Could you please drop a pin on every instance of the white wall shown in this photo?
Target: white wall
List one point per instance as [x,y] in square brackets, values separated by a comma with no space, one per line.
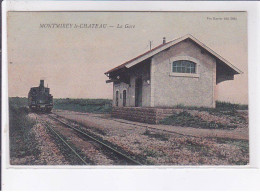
[168,90]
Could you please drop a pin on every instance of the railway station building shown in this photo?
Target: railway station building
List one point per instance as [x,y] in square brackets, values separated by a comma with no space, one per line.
[179,72]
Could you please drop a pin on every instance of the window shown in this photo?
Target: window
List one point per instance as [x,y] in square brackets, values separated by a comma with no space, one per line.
[124,98]
[183,66]
[116,98]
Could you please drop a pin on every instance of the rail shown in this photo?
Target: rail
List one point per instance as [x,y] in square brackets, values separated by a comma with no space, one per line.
[98,141]
[64,141]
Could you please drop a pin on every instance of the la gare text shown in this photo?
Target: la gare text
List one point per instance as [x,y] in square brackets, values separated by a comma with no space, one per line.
[89,26]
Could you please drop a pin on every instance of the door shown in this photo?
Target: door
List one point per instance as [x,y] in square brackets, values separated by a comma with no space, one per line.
[124,98]
[116,98]
[138,92]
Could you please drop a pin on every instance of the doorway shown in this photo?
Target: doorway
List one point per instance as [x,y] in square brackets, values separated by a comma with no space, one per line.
[124,98]
[116,98]
[138,92]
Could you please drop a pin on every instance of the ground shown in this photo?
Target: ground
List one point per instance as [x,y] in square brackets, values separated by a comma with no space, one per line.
[32,144]
[169,145]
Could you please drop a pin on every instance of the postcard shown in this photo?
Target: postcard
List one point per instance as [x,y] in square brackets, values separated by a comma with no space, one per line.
[128,88]
[129,96]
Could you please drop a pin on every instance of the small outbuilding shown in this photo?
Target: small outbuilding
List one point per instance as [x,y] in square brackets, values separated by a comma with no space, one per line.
[180,72]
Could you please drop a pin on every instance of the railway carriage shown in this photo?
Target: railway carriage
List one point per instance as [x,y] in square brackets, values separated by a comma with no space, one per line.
[40,99]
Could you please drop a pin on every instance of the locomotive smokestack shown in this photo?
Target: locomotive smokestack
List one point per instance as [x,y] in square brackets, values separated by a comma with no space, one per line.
[41,83]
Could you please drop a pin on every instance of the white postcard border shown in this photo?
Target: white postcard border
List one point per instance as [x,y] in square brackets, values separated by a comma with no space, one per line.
[177,178]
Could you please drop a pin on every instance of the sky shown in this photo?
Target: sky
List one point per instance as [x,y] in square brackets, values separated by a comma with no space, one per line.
[72,50]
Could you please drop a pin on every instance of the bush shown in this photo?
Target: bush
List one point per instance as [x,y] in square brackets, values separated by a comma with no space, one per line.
[185,119]
[84,105]
[230,106]
[22,140]
[220,106]
[18,102]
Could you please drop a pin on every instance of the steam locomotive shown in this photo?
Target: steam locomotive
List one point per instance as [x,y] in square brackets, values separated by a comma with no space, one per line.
[40,99]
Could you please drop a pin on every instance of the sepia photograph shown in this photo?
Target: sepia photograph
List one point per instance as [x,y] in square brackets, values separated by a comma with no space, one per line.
[128,88]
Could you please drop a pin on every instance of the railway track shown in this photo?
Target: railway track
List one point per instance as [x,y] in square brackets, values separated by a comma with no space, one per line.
[65,142]
[154,129]
[96,140]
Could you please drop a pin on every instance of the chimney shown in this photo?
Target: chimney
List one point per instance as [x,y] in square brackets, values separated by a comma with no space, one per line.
[41,83]
[164,40]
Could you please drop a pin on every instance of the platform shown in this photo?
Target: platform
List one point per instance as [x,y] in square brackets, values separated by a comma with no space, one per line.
[143,114]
